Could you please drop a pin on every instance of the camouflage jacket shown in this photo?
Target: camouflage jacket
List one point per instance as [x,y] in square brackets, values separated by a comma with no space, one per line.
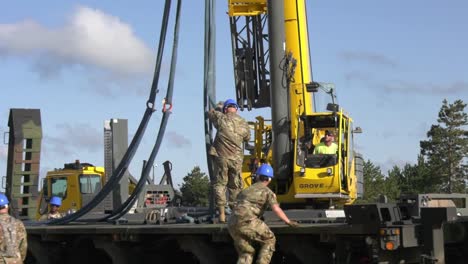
[232,130]
[51,216]
[13,239]
[253,201]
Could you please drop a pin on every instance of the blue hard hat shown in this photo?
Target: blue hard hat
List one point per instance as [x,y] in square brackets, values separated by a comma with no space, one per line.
[265,170]
[55,200]
[230,102]
[3,199]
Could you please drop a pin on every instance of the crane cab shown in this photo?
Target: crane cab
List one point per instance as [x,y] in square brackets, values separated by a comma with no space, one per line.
[318,180]
[76,183]
[330,177]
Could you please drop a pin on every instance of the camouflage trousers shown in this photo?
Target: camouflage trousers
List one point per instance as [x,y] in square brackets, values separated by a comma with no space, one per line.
[246,235]
[10,260]
[228,176]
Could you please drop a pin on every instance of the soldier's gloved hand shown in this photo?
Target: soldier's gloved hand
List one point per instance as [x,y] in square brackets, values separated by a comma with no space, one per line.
[293,223]
[219,106]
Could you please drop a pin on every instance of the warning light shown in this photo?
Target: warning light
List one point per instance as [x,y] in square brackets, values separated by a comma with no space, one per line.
[389,245]
[382,232]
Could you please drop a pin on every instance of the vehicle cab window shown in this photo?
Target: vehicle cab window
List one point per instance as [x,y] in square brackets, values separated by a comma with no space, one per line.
[90,183]
[59,187]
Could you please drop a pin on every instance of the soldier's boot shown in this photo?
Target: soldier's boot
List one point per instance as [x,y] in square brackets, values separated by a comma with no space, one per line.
[265,253]
[222,215]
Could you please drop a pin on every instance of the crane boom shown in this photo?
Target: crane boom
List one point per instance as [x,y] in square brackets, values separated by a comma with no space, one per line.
[272,69]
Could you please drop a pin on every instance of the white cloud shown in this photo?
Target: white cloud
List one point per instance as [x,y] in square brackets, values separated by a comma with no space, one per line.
[73,139]
[386,166]
[387,134]
[177,140]
[368,57]
[90,38]
[358,76]
[405,87]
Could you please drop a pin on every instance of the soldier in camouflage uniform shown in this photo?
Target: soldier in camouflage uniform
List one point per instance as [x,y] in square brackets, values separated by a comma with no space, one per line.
[13,242]
[55,203]
[228,152]
[246,227]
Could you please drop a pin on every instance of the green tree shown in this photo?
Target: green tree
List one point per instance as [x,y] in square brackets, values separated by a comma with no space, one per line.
[392,187]
[413,178]
[421,179]
[373,182]
[195,188]
[447,146]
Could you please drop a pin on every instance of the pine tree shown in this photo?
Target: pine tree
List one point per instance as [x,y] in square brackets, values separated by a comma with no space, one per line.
[414,178]
[195,188]
[447,147]
[394,185]
[373,182]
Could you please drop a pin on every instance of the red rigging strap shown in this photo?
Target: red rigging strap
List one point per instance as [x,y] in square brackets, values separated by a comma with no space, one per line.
[166,106]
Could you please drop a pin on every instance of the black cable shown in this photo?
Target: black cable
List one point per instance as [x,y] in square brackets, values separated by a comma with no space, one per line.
[209,92]
[125,207]
[162,41]
[128,156]
[116,175]
[175,43]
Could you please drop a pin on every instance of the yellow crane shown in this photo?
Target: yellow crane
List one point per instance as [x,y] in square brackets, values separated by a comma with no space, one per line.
[272,69]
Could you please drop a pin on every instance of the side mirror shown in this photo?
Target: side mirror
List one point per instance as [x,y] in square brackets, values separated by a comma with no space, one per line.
[333,107]
[357,130]
[312,87]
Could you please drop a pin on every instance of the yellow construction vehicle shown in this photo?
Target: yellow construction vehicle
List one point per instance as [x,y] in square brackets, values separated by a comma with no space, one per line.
[275,33]
[76,183]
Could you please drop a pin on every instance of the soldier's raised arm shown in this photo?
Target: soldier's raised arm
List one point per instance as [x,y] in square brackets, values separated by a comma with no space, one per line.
[246,135]
[214,116]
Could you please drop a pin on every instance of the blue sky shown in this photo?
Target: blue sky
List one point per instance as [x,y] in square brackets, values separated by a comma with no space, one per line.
[82,62]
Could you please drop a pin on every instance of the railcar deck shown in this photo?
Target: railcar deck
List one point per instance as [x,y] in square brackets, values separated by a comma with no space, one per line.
[187,243]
